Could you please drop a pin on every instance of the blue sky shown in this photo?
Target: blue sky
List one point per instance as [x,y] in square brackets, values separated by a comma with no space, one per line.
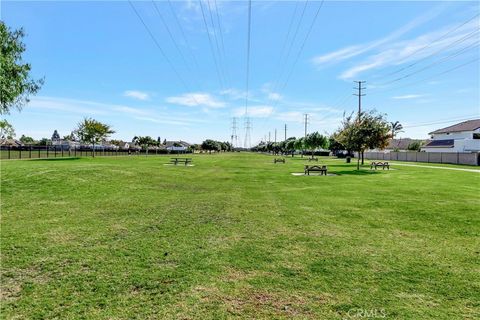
[419,60]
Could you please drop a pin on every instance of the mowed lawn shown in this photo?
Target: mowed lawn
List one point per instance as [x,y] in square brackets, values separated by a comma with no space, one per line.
[236,236]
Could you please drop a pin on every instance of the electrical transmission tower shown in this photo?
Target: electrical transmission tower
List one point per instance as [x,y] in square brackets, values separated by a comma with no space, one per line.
[359,95]
[234,136]
[248,128]
[305,122]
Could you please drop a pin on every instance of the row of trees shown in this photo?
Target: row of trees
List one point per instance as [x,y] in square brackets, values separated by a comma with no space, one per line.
[311,142]
[213,145]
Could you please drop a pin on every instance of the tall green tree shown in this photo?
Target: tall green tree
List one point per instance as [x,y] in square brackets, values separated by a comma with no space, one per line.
[300,144]
[6,130]
[370,132]
[27,140]
[93,132]
[315,140]
[16,85]
[144,142]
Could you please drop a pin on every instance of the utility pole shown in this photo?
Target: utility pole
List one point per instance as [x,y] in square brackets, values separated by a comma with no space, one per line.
[275,135]
[285,132]
[359,95]
[234,136]
[305,123]
[269,137]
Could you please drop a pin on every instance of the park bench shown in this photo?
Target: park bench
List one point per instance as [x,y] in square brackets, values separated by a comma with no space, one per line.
[278,160]
[379,164]
[313,159]
[185,161]
[321,169]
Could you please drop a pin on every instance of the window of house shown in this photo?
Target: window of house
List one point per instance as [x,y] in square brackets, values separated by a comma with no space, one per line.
[476,136]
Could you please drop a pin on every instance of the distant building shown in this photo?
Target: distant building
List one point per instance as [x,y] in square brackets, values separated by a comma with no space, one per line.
[11,143]
[176,145]
[402,144]
[461,137]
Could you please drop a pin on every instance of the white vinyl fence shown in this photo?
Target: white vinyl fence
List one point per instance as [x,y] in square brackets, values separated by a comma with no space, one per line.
[432,157]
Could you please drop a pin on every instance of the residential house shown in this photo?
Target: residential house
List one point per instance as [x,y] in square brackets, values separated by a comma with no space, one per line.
[461,137]
[178,146]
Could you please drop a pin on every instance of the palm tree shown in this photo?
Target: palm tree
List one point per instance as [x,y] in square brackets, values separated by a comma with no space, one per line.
[396,128]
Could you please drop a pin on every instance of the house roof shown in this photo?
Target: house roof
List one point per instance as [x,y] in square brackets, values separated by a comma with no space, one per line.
[180,142]
[447,143]
[402,144]
[469,125]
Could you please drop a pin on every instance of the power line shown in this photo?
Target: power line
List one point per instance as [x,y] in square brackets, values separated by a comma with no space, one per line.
[451,44]
[221,37]
[432,42]
[442,60]
[211,46]
[435,75]
[441,122]
[161,50]
[183,34]
[172,37]
[220,59]
[247,80]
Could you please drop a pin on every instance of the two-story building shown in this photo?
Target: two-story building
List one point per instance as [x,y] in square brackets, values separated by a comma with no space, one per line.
[461,137]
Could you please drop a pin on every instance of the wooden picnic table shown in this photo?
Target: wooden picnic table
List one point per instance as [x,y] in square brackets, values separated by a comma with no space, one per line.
[177,160]
[278,160]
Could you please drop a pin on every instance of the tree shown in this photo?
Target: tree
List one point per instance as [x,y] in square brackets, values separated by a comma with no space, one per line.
[211,145]
[290,145]
[16,85]
[415,145]
[300,144]
[315,140]
[396,128]
[55,136]
[43,142]
[92,131]
[144,142]
[334,145]
[26,140]
[6,130]
[370,132]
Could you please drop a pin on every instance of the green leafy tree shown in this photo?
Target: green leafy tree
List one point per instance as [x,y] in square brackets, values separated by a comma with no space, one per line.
[6,130]
[27,140]
[144,142]
[415,145]
[92,131]
[315,140]
[334,145]
[370,132]
[16,85]
[211,145]
[290,145]
[300,144]
[43,142]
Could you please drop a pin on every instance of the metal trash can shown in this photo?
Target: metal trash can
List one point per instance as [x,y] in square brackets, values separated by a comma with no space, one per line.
[348,159]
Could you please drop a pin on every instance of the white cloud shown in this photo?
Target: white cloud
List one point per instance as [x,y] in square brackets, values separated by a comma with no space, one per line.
[255,111]
[406,51]
[233,93]
[355,50]
[408,96]
[139,95]
[196,99]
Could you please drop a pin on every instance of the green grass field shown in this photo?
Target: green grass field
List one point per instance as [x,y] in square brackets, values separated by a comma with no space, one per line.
[236,236]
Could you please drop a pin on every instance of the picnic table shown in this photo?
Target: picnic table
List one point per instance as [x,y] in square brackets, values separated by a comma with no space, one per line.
[376,164]
[313,159]
[321,169]
[176,161]
[278,160]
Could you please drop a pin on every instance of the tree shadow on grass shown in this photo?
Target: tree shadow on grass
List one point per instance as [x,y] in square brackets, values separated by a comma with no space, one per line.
[355,172]
[56,159]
